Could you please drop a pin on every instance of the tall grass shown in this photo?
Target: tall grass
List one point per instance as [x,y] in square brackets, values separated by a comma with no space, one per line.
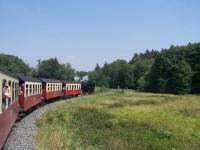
[123,120]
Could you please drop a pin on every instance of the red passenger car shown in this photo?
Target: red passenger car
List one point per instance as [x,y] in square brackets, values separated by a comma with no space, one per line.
[8,104]
[30,92]
[51,88]
[71,89]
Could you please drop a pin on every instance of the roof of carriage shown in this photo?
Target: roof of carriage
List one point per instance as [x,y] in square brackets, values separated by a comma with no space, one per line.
[71,82]
[5,72]
[28,78]
[46,80]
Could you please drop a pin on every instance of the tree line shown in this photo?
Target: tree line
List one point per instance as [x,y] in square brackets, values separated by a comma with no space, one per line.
[174,70]
[49,68]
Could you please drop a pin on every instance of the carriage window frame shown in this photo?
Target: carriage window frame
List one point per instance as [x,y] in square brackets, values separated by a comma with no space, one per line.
[26,89]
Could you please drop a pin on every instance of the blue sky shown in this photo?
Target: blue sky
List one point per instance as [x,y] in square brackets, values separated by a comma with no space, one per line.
[86,32]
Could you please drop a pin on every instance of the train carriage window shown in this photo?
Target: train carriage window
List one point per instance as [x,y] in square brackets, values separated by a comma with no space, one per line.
[40,88]
[16,91]
[33,89]
[13,92]
[37,88]
[48,86]
[10,99]
[4,99]
[30,88]
[26,94]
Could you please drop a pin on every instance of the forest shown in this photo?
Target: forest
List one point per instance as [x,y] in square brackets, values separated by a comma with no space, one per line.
[174,70]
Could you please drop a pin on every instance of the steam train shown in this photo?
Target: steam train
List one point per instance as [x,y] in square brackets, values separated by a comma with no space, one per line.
[22,93]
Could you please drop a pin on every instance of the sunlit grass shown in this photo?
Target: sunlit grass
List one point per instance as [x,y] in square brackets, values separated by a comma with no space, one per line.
[122,120]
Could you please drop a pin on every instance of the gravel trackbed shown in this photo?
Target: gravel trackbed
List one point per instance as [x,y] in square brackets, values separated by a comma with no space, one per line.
[22,136]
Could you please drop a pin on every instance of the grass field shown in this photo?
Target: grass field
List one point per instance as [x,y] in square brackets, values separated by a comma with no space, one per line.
[123,120]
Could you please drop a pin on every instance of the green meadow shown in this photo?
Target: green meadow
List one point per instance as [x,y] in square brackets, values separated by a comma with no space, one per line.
[122,120]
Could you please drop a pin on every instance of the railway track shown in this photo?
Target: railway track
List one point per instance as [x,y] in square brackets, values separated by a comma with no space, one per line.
[22,136]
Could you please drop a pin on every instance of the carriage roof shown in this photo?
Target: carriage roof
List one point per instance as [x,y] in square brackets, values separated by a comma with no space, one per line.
[45,80]
[28,78]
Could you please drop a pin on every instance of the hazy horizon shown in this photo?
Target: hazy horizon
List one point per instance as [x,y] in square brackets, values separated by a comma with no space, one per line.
[84,33]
